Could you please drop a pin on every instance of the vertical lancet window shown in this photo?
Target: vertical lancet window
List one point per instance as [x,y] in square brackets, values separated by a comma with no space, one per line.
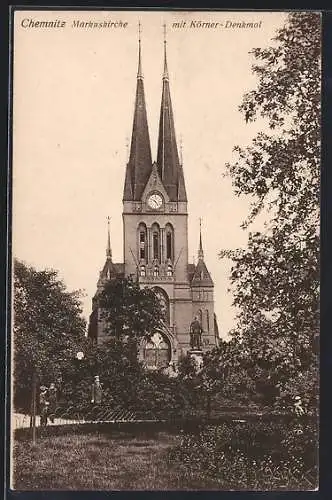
[156,242]
[169,242]
[207,321]
[142,242]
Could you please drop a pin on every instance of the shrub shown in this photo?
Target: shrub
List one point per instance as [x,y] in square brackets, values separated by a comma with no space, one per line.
[252,455]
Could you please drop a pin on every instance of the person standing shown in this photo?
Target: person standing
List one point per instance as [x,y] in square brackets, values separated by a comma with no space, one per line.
[52,397]
[96,391]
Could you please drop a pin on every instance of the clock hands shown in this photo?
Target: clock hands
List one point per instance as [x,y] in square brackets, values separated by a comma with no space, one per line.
[155,201]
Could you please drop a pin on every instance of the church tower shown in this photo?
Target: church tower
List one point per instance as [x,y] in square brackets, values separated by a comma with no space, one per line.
[155,236]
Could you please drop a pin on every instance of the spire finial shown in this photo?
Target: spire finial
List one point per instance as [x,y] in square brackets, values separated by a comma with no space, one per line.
[165,74]
[139,71]
[200,248]
[108,248]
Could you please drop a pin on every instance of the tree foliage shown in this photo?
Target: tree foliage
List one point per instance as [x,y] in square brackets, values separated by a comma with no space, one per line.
[48,328]
[128,310]
[129,314]
[275,280]
[118,367]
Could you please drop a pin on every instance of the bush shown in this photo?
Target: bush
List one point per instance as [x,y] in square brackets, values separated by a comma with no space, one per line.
[255,455]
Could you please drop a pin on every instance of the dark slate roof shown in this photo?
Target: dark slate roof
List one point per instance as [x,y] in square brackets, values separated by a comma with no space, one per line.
[182,194]
[119,267]
[128,188]
[201,275]
[167,155]
[112,270]
[139,165]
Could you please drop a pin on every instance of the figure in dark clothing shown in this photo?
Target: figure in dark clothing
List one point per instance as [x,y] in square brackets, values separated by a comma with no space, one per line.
[52,397]
[195,334]
[96,391]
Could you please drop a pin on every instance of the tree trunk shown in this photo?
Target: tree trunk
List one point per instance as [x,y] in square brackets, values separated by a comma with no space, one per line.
[34,407]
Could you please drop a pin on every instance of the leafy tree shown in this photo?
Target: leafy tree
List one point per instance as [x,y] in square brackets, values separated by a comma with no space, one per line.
[129,313]
[119,369]
[48,328]
[223,380]
[160,395]
[275,280]
[128,310]
[188,375]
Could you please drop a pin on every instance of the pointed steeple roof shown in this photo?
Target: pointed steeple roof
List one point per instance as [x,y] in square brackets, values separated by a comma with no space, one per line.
[182,193]
[167,155]
[140,161]
[110,269]
[201,275]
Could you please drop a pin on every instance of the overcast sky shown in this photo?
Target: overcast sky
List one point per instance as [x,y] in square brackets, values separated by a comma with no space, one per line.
[74,93]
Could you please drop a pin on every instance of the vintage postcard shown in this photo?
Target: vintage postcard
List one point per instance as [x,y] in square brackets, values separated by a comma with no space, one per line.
[165,250]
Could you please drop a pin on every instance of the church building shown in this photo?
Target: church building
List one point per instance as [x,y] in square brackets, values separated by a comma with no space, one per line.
[155,240]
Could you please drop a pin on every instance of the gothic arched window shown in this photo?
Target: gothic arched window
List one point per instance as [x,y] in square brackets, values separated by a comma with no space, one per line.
[207,320]
[142,242]
[157,351]
[164,302]
[169,242]
[155,242]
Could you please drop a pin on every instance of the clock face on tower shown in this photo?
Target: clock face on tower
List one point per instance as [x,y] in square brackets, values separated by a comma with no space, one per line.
[155,201]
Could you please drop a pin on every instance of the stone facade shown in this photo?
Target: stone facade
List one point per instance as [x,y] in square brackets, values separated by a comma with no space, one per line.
[155,240]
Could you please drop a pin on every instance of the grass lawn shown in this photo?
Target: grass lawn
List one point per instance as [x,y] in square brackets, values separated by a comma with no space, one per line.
[237,455]
[96,462]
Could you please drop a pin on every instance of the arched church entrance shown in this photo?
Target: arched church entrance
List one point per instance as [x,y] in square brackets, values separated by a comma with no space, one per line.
[157,351]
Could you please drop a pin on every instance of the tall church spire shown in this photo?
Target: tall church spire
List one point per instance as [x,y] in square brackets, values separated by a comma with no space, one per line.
[140,162]
[168,162]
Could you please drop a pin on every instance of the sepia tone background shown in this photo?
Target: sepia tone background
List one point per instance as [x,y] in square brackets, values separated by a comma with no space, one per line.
[74,93]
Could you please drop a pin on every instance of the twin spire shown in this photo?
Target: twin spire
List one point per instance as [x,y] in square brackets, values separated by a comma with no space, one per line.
[139,165]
